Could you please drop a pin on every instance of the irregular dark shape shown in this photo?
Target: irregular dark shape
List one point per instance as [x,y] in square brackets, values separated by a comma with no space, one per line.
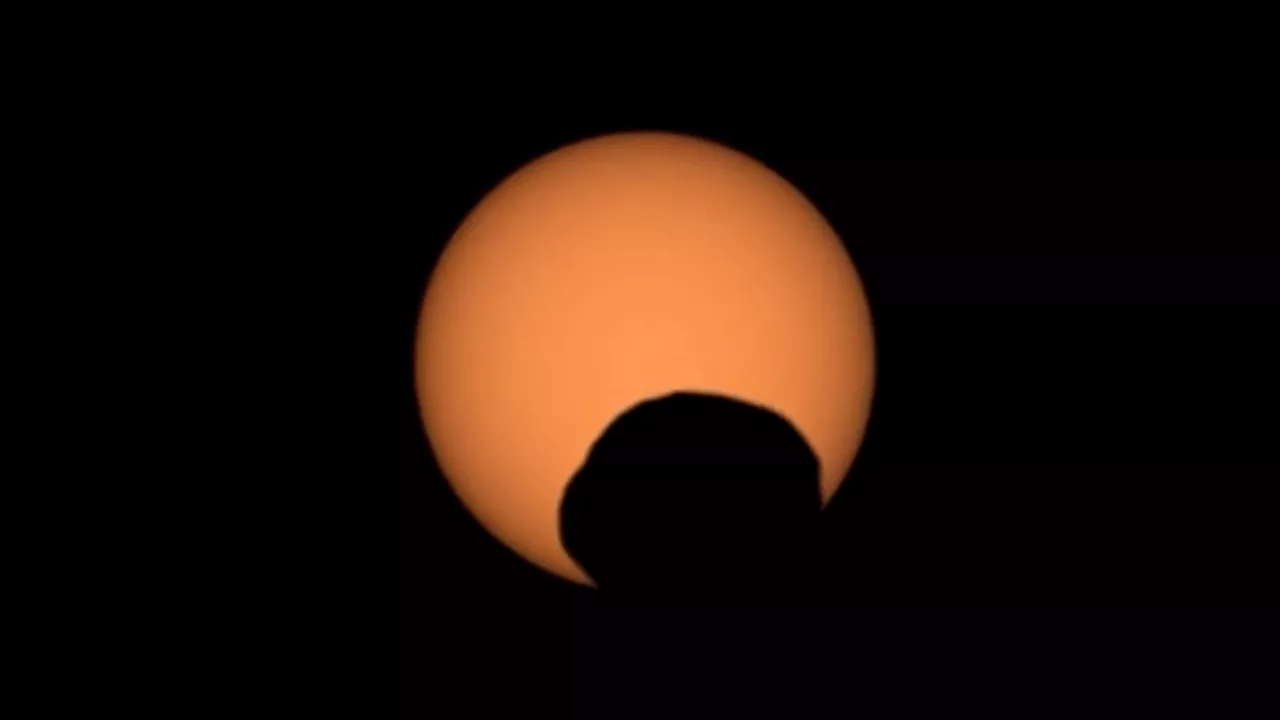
[694,498]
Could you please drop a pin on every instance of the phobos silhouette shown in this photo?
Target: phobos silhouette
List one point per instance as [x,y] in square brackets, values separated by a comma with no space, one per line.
[694,498]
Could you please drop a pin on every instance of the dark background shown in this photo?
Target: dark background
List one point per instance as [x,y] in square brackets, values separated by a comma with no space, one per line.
[1074,306]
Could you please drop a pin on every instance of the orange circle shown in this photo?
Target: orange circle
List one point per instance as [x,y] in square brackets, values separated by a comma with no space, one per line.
[619,269]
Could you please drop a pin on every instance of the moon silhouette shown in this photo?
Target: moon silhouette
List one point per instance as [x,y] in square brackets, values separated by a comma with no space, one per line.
[623,268]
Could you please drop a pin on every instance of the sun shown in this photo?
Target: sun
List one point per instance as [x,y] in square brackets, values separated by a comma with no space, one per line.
[622,268]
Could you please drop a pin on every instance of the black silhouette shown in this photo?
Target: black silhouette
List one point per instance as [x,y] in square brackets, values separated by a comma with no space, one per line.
[691,499]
